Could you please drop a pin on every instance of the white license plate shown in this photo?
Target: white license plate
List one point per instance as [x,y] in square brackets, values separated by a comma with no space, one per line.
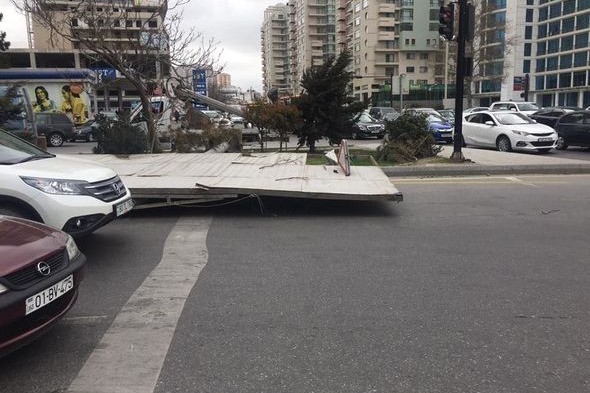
[48,295]
[545,139]
[123,207]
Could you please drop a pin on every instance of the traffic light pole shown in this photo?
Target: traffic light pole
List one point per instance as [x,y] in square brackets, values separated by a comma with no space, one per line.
[459,82]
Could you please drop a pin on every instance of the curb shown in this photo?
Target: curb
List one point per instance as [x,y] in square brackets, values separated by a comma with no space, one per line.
[475,169]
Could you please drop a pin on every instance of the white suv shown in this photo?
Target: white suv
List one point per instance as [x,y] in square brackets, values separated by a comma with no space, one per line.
[73,195]
[526,108]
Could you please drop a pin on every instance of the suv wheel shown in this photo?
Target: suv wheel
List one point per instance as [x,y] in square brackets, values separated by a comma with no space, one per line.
[55,139]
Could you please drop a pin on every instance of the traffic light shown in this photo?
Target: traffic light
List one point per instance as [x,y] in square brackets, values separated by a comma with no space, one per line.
[446,18]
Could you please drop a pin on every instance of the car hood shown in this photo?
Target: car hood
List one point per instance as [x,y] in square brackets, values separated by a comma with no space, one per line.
[61,167]
[369,123]
[532,128]
[529,112]
[23,241]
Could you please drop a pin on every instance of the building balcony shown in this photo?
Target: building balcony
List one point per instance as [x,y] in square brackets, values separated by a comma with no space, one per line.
[386,36]
[389,8]
[385,22]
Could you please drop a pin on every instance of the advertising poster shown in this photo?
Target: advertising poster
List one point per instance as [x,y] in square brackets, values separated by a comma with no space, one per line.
[69,98]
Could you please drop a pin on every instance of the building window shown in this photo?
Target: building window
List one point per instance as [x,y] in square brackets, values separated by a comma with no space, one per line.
[580,59]
[74,22]
[527,49]
[423,70]
[569,6]
[410,70]
[407,15]
[529,15]
[582,40]
[567,25]
[528,32]
[153,23]
[540,65]
[565,80]
[526,66]
[423,56]
[552,63]
[582,21]
[406,26]
[567,43]
[555,10]
[541,48]
[410,56]
[565,61]
[138,23]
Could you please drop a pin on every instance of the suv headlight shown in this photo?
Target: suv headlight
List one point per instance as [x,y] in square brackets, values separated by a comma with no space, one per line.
[3,289]
[521,133]
[56,186]
[72,248]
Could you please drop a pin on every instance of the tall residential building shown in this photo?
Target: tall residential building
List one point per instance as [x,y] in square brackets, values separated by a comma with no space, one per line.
[223,80]
[546,39]
[390,38]
[386,38]
[275,49]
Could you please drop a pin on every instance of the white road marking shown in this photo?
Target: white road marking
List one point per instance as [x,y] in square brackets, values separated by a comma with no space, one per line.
[520,181]
[130,355]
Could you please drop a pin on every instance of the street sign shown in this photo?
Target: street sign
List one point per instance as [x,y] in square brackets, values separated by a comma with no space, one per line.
[200,85]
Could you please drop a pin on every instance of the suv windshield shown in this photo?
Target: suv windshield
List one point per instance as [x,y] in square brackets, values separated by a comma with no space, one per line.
[528,106]
[366,118]
[14,150]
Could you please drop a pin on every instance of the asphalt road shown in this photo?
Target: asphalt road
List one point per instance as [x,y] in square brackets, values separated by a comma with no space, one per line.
[469,285]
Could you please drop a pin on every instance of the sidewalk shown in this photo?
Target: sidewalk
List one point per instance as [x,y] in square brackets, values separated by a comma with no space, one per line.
[492,162]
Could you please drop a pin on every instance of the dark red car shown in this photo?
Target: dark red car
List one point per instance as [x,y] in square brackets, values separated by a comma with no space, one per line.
[40,271]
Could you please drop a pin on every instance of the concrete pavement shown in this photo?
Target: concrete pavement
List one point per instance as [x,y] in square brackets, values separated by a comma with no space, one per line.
[489,162]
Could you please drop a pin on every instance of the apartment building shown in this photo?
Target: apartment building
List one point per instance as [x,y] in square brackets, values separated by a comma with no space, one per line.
[392,38]
[132,27]
[546,39]
[275,49]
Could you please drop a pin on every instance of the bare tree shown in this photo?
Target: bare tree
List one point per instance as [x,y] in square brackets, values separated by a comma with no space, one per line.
[144,41]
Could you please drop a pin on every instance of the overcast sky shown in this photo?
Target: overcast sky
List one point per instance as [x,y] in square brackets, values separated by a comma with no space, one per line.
[234,24]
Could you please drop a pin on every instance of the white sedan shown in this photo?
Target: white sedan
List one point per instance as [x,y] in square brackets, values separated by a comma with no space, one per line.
[507,131]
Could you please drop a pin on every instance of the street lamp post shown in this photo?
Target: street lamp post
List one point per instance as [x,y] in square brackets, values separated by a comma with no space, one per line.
[401,92]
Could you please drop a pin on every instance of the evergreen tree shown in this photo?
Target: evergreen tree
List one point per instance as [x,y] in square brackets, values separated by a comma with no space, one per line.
[4,45]
[327,106]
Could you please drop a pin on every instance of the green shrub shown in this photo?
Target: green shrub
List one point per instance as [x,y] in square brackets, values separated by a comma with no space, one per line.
[408,139]
[120,137]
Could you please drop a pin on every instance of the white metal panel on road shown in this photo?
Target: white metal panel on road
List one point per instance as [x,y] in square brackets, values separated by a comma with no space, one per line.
[278,174]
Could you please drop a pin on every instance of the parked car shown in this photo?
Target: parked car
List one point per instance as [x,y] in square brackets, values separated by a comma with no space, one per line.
[441,128]
[366,126]
[573,129]
[235,119]
[40,271]
[475,109]
[379,112]
[448,115]
[507,131]
[70,194]
[423,110]
[527,108]
[549,116]
[87,132]
[56,127]
[390,116]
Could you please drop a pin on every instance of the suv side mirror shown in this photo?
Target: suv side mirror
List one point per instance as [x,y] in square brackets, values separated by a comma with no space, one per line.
[489,123]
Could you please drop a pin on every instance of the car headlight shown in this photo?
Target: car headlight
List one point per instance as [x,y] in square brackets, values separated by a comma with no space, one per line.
[3,289]
[56,186]
[521,133]
[72,248]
